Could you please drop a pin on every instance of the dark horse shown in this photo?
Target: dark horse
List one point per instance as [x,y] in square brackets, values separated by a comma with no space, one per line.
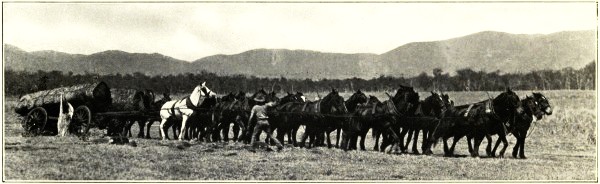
[352,103]
[534,109]
[477,120]
[154,107]
[405,100]
[202,124]
[280,121]
[231,109]
[322,116]
[425,117]
[374,114]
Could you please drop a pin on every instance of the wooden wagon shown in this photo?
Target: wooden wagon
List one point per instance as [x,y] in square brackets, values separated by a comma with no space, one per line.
[96,106]
[41,109]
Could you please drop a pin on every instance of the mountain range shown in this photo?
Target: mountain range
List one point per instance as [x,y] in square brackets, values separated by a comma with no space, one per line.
[489,51]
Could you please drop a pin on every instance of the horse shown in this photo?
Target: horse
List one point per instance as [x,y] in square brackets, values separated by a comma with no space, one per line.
[425,118]
[373,114]
[405,100]
[231,109]
[128,100]
[358,98]
[477,120]
[281,124]
[323,115]
[184,108]
[534,109]
[153,107]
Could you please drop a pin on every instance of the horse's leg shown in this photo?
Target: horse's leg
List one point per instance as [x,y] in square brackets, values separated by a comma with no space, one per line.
[376,135]
[363,136]
[328,133]
[454,141]
[141,125]
[236,132]
[446,149]
[409,138]
[289,135]
[312,139]
[493,153]
[148,125]
[353,141]
[426,145]
[281,135]
[344,143]
[241,129]
[338,133]
[416,138]
[522,145]
[488,148]
[476,143]
[469,140]
[303,138]
[294,133]
[162,126]
[184,127]
[502,137]
[384,141]
[225,129]
[403,148]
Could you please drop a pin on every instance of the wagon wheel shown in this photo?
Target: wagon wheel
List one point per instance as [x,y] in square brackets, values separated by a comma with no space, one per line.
[81,121]
[35,121]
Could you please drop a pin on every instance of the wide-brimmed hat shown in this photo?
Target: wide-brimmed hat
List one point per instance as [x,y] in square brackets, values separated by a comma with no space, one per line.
[259,99]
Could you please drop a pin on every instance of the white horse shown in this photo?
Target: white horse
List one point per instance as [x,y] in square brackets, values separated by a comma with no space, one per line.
[184,108]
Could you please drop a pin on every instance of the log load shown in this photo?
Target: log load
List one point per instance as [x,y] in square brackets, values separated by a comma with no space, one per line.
[127,100]
[95,95]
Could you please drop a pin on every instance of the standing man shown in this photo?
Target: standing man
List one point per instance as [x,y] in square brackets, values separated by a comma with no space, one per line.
[262,123]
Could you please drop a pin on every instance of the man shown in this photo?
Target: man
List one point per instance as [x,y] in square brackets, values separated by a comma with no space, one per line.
[262,123]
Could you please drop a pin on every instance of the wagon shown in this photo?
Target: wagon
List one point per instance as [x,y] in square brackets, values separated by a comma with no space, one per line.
[41,109]
[96,106]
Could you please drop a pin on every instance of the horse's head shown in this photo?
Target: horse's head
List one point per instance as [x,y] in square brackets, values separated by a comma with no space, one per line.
[333,103]
[202,92]
[373,100]
[290,97]
[532,108]
[405,98]
[272,97]
[229,97]
[149,97]
[357,98]
[240,96]
[301,96]
[436,103]
[507,102]
[543,103]
[166,97]
[449,104]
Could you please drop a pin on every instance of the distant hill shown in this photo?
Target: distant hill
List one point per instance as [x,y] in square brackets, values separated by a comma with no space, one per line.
[107,62]
[290,64]
[488,51]
[493,51]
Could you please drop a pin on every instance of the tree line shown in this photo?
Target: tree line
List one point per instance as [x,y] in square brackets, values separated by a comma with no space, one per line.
[21,82]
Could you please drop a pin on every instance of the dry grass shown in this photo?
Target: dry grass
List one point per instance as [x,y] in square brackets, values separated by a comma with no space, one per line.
[562,147]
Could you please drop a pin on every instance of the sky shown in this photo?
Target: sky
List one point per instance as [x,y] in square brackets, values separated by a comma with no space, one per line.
[190,31]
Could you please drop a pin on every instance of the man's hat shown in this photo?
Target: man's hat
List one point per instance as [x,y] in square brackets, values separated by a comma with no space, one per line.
[259,98]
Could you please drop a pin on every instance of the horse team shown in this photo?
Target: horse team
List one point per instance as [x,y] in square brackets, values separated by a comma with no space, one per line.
[397,121]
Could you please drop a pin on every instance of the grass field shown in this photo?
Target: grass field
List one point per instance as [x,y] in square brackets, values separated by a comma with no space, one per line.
[561,147]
